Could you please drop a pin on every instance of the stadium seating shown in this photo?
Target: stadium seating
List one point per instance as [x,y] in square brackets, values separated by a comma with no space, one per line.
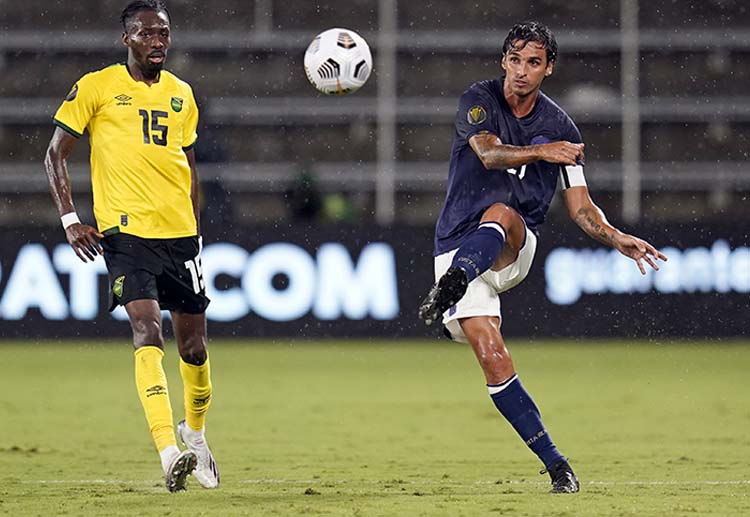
[262,121]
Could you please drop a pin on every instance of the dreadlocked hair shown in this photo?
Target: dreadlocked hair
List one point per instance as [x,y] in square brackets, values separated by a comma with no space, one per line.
[137,6]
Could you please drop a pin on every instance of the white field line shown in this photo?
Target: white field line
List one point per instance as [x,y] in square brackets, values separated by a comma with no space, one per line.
[441,482]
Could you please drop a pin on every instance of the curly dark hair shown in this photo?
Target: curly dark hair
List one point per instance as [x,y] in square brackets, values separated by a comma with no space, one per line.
[531,31]
[142,5]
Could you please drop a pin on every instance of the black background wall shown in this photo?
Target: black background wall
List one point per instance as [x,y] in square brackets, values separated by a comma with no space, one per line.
[365,281]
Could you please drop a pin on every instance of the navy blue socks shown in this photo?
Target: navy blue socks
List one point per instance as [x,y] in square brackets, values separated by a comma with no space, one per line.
[517,406]
[479,251]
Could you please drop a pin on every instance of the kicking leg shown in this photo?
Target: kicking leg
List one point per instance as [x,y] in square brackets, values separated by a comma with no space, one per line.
[494,244]
[195,369]
[513,401]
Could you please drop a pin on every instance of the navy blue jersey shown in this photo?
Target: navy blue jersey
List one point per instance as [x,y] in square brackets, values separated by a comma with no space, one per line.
[472,188]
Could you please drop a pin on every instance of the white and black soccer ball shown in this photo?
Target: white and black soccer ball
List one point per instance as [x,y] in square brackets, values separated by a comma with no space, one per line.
[338,61]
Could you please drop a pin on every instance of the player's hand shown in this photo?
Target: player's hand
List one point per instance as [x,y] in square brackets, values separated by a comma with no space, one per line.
[565,153]
[639,250]
[84,240]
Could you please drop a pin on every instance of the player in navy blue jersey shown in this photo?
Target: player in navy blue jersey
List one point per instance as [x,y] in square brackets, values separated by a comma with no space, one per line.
[511,145]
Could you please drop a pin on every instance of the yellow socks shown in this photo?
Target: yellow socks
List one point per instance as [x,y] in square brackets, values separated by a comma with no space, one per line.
[152,390]
[196,381]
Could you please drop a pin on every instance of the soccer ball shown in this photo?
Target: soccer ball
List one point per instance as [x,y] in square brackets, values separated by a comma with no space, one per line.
[338,61]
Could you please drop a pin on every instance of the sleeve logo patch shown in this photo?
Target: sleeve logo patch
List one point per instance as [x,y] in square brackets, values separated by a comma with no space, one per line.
[476,115]
[73,93]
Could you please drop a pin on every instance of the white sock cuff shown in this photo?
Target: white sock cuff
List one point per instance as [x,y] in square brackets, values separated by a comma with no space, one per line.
[167,455]
[494,226]
[193,432]
[497,388]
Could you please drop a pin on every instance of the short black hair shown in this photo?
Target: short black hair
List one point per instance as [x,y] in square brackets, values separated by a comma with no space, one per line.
[137,6]
[532,31]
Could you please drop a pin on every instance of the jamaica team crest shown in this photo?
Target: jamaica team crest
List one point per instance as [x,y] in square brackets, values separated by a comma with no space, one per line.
[176,104]
[117,286]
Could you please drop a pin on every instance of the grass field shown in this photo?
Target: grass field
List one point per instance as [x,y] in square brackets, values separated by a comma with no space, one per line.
[384,428]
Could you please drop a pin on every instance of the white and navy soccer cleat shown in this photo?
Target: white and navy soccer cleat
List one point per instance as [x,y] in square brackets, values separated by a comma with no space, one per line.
[206,471]
[178,471]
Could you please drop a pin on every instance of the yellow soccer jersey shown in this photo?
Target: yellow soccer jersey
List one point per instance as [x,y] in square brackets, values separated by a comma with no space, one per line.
[138,133]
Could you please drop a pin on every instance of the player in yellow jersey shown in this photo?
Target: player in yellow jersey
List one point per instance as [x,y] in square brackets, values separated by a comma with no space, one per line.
[142,124]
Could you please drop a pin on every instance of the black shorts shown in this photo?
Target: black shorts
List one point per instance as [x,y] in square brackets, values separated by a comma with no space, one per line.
[166,270]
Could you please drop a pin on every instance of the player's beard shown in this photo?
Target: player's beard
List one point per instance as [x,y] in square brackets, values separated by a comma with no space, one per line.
[151,70]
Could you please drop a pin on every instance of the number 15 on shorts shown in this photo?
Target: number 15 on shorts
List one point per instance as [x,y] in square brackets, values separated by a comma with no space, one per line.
[196,273]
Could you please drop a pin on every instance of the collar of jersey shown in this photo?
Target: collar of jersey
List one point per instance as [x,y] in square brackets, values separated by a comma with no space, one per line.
[141,83]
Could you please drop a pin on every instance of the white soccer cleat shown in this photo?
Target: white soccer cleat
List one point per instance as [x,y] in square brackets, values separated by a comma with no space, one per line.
[176,474]
[206,471]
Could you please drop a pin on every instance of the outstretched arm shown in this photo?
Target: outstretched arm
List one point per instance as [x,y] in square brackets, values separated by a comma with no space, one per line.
[494,154]
[591,219]
[83,238]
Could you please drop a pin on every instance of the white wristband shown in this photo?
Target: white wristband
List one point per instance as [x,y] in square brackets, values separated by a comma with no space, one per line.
[69,219]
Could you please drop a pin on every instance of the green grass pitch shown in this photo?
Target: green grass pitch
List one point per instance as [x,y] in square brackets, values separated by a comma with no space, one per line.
[383,428]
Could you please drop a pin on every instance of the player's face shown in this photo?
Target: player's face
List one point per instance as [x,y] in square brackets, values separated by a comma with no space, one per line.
[525,67]
[148,39]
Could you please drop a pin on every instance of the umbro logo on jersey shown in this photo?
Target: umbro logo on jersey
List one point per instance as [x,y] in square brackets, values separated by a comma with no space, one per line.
[123,100]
